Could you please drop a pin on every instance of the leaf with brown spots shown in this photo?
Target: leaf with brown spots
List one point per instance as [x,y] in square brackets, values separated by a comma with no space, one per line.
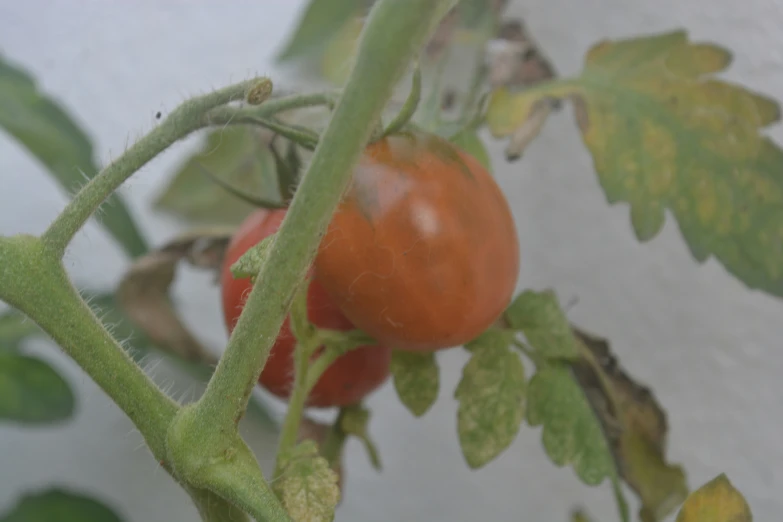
[143,291]
[666,134]
[635,426]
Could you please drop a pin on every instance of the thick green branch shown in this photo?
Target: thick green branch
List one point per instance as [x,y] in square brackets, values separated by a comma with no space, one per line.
[33,280]
[188,117]
[395,31]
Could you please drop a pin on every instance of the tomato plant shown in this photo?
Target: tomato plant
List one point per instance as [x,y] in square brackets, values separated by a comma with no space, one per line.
[422,253]
[350,378]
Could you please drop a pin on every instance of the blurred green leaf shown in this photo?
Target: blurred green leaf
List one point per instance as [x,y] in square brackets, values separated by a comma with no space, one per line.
[339,54]
[319,22]
[32,392]
[416,379]
[469,141]
[716,501]
[491,397]
[58,505]
[308,486]
[238,156]
[539,316]
[15,328]
[52,136]
[665,134]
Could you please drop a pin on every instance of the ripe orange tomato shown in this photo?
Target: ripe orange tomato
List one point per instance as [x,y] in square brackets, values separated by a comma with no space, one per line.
[422,253]
[350,378]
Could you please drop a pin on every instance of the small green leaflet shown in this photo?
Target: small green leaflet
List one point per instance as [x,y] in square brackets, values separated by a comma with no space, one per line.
[716,501]
[31,392]
[59,505]
[666,134]
[308,487]
[491,398]
[321,20]
[572,434]
[539,316]
[51,135]
[237,156]
[416,379]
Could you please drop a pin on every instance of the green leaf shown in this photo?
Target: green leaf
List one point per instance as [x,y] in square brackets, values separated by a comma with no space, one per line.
[491,398]
[417,380]
[716,501]
[665,134]
[58,505]
[308,486]
[469,141]
[354,421]
[249,264]
[340,53]
[31,392]
[539,316]
[321,20]
[15,327]
[571,432]
[236,155]
[51,135]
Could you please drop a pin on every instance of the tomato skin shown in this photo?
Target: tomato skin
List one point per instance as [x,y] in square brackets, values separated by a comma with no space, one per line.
[350,378]
[422,253]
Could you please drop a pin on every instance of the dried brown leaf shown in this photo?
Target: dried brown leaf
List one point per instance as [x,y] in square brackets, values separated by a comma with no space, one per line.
[515,59]
[635,425]
[143,291]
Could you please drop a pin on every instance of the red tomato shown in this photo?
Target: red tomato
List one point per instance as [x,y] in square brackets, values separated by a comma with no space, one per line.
[350,378]
[422,253]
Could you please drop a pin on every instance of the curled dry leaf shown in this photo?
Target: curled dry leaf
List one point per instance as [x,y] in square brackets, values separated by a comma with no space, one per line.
[143,291]
[635,425]
[515,60]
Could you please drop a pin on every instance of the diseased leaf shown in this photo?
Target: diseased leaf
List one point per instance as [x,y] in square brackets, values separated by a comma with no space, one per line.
[515,60]
[539,316]
[32,392]
[59,505]
[635,426]
[239,156]
[307,487]
[318,432]
[469,141]
[665,134]
[491,398]
[571,432]
[15,327]
[716,501]
[319,22]
[416,378]
[143,291]
[47,131]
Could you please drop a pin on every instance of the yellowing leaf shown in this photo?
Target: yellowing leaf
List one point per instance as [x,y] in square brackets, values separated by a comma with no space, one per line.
[664,134]
[491,398]
[308,486]
[715,501]
[238,156]
[417,380]
[539,317]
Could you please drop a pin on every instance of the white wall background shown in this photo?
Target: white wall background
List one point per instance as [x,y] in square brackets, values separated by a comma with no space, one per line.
[709,347]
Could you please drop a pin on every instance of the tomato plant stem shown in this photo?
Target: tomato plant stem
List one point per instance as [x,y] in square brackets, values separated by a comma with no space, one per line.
[395,31]
[188,117]
[34,281]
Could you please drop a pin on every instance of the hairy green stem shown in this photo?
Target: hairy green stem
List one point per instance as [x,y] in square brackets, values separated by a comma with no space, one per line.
[214,508]
[188,117]
[394,32]
[34,281]
[225,115]
[296,402]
